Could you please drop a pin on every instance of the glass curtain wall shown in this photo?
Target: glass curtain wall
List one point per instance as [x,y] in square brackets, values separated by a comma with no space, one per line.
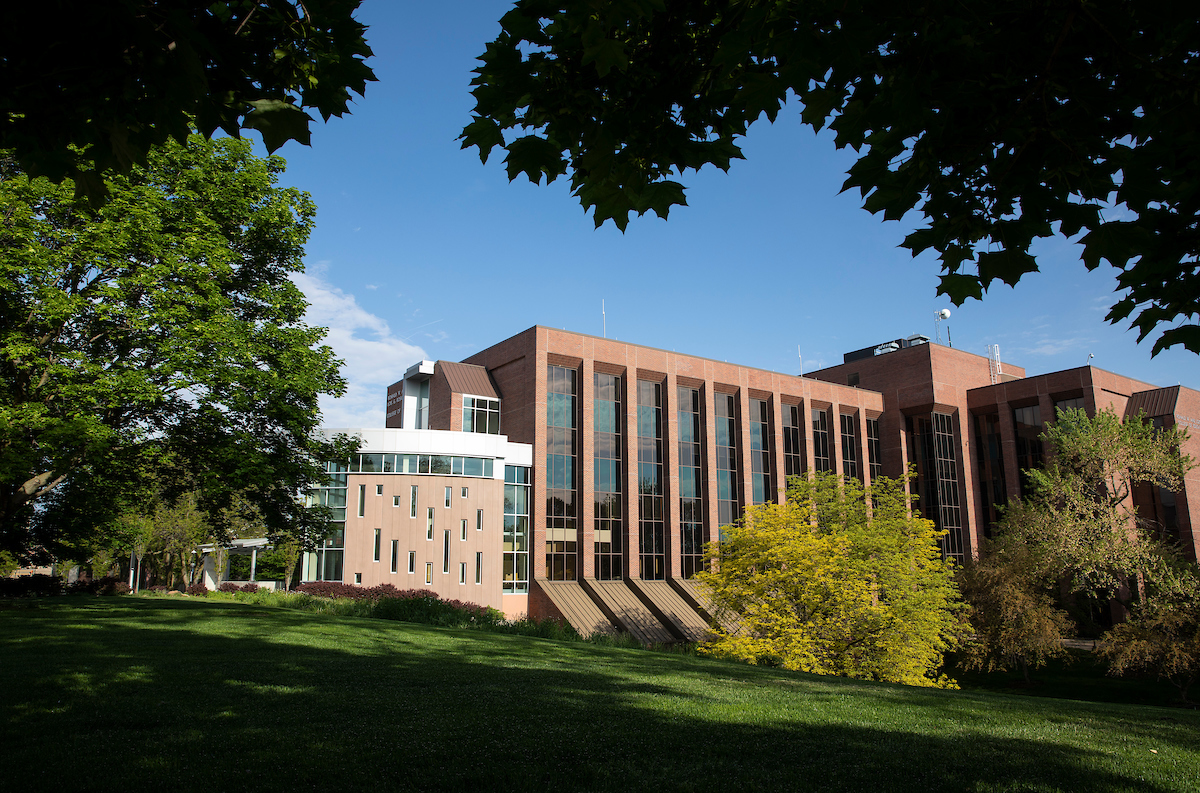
[561,525]
[849,447]
[691,482]
[728,502]
[606,442]
[762,486]
[516,530]
[650,481]
[820,425]
[993,491]
[793,441]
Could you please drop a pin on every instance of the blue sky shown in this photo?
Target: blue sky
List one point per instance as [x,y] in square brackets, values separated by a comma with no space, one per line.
[420,251]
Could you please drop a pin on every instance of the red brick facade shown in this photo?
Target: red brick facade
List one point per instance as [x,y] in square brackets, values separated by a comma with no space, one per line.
[518,366]
[932,378]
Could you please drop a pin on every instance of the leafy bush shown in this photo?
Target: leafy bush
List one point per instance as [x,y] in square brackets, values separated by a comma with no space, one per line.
[228,587]
[336,589]
[108,585]
[31,586]
[197,588]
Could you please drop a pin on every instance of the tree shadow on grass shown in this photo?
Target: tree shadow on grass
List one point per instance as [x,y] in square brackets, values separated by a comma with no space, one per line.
[128,692]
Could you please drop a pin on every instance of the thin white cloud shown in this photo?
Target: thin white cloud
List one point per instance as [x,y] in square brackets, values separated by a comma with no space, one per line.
[374,357]
[1049,346]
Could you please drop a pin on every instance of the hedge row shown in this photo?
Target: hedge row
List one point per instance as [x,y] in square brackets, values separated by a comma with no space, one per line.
[45,585]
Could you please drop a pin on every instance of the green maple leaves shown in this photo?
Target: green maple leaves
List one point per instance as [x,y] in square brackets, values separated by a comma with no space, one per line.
[999,125]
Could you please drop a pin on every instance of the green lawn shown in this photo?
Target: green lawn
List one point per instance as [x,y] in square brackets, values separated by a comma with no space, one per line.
[175,694]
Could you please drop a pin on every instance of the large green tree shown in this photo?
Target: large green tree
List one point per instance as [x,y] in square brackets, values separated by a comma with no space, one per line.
[1081,515]
[1000,123]
[159,328]
[119,77]
[839,580]
[1079,534]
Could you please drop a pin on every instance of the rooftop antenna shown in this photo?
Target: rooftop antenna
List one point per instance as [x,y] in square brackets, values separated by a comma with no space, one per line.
[603,319]
[938,317]
[800,355]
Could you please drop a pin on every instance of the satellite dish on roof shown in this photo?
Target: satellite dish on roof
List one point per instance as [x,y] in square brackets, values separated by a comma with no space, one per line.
[938,318]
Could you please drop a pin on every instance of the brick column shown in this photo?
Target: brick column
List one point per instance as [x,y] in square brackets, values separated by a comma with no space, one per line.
[966,478]
[864,455]
[778,468]
[810,457]
[835,438]
[537,512]
[743,447]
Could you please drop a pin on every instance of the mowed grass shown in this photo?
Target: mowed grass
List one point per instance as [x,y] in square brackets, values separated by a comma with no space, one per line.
[174,694]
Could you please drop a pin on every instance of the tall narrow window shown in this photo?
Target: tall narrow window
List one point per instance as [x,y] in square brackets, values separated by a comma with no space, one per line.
[606,465]
[873,452]
[479,567]
[332,496]
[516,529]
[561,526]
[362,500]
[429,572]
[993,490]
[462,572]
[691,482]
[429,523]
[463,493]
[378,534]
[446,551]
[651,525]
[412,501]
[479,520]
[422,396]
[728,502]
[820,430]
[412,561]
[947,477]
[395,555]
[448,491]
[931,448]
[849,447]
[1027,426]
[793,441]
[464,529]
[763,490]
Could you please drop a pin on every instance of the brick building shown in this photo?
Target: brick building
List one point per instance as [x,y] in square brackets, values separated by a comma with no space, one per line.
[946,411]
[627,459]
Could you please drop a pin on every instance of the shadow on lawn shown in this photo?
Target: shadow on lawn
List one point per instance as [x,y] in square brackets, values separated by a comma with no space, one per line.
[106,691]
